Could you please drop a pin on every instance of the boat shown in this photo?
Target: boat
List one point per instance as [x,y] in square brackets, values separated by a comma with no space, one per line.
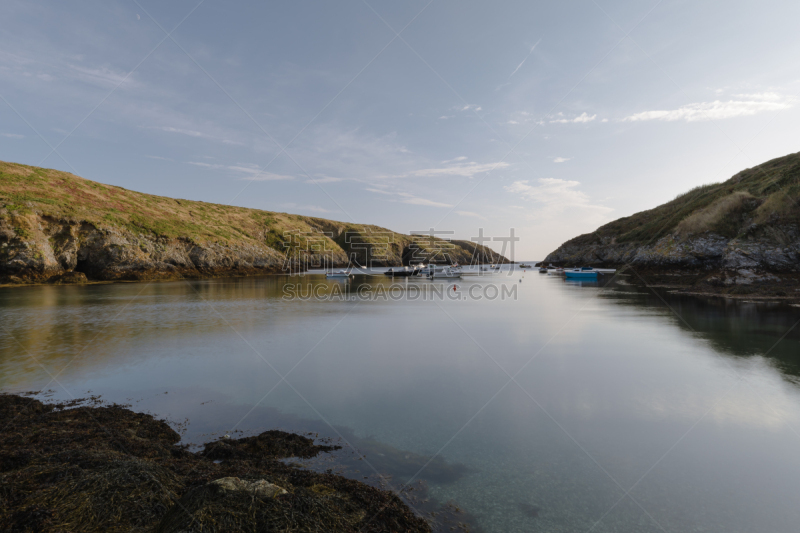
[339,274]
[555,271]
[523,265]
[427,271]
[580,273]
[542,270]
[402,272]
[445,273]
[599,270]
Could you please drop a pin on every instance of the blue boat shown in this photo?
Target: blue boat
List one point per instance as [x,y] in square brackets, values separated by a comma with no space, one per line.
[582,274]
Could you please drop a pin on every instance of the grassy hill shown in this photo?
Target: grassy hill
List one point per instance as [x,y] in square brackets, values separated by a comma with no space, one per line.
[751,204]
[48,216]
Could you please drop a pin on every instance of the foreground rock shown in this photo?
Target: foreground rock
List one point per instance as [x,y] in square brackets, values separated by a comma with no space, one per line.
[67,468]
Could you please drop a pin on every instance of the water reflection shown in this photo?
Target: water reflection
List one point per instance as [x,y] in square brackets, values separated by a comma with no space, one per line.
[607,379]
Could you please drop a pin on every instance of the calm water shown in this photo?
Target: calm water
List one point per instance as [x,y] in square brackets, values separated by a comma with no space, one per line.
[624,415]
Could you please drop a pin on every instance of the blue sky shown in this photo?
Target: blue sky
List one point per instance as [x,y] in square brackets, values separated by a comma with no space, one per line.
[549,117]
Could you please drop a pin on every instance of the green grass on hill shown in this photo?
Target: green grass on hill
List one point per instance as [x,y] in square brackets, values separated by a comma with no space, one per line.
[768,194]
[27,190]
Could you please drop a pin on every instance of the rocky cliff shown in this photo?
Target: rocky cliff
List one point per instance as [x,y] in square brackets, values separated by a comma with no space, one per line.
[59,228]
[746,228]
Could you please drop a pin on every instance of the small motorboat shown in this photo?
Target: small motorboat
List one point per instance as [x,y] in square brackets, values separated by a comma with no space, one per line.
[445,273]
[523,265]
[581,273]
[542,270]
[555,271]
[339,274]
[402,272]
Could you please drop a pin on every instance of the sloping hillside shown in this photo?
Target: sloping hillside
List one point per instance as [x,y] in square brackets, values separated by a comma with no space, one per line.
[54,223]
[750,222]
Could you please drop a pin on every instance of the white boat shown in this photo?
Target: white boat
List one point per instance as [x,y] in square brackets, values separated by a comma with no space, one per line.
[426,271]
[339,274]
[445,273]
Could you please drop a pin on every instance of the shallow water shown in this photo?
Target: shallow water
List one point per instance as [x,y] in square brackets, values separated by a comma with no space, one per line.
[628,410]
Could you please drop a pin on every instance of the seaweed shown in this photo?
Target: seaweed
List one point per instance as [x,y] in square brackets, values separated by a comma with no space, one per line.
[77,467]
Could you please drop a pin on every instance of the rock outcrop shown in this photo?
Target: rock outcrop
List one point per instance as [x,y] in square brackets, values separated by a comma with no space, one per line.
[738,232]
[59,228]
[708,251]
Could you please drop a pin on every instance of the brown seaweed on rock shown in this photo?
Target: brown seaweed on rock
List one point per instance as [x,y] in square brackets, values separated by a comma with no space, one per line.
[68,468]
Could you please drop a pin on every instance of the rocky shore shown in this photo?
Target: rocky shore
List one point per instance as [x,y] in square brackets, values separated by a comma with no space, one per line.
[708,265]
[59,228]
[741,236]
[69,467]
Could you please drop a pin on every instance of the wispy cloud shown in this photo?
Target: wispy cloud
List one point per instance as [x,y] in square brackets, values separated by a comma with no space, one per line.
[582,118]
[471,107]
[408,198]
[325,179]
[415,200]
[12,135]
[252,172]
[182,131]
[744,105]
[470,214]
[457,169]
[555,195]
[561,159]
[526,58]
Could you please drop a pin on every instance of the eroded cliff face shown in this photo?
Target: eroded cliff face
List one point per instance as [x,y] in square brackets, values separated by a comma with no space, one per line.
[707,251]
[37,248]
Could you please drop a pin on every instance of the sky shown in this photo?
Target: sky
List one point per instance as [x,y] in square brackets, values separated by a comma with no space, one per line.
[551,118]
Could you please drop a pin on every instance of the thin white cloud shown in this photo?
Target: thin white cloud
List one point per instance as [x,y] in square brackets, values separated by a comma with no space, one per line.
[582,118]
[379,191]
[472,107]
[466,170]
[424,201]
[408,198]
[325,179]
[12,135]
[252,172]
[744,105]
[190,133]
[470,214]
[526,58]
[561,159]
[555,195]
[455,160]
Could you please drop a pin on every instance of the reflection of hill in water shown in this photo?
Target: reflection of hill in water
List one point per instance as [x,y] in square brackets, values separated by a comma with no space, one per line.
[735,328]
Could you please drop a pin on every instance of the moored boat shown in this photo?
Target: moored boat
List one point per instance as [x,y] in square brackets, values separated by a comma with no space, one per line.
[582,274]
[402,272]
[339,274]
[445,273]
